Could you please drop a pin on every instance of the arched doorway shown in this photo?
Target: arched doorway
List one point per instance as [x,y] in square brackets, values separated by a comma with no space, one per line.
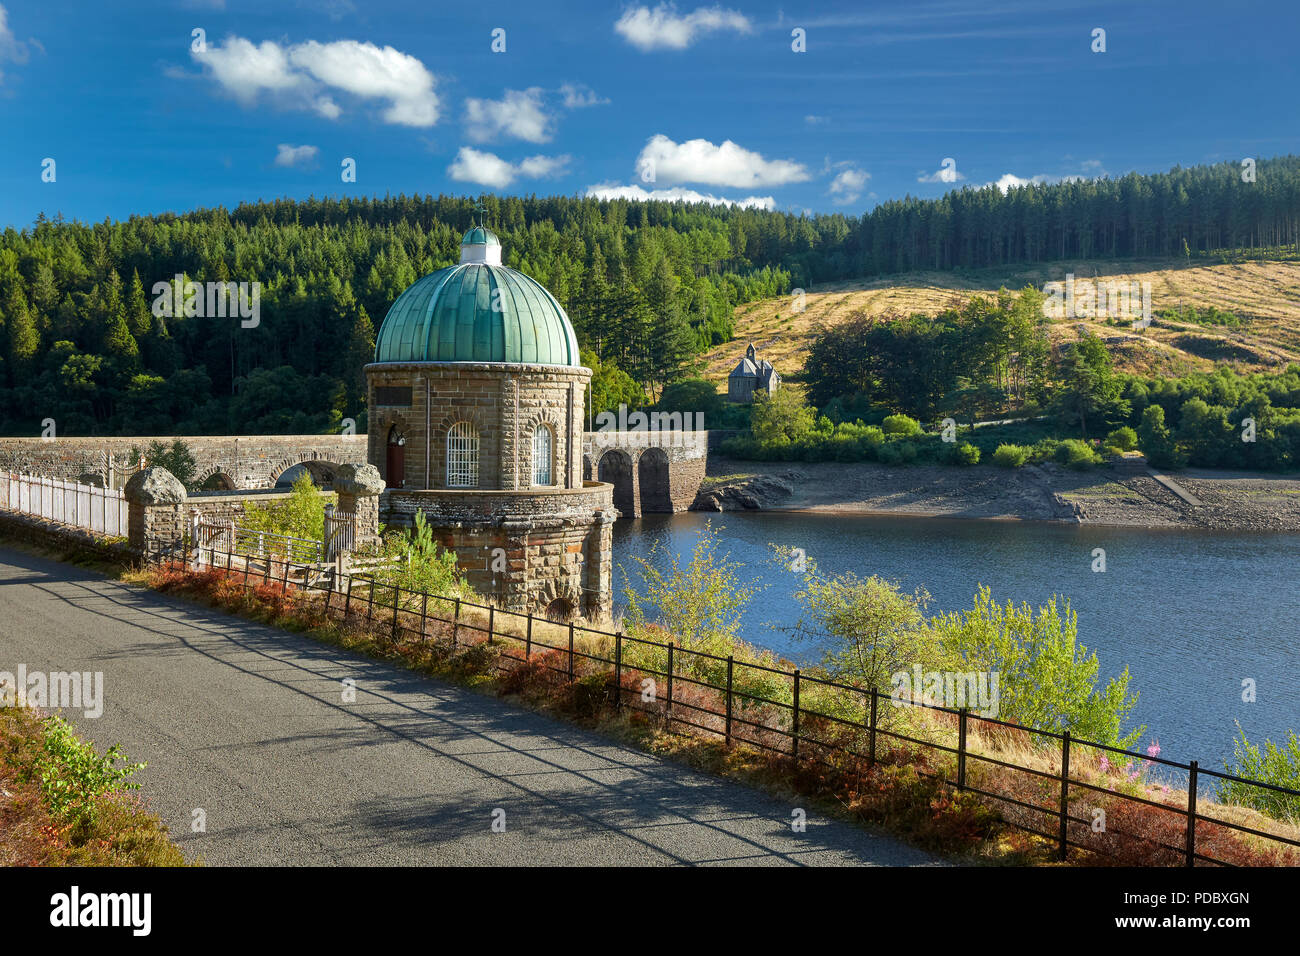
[395,461]
[652,478]
[615,467]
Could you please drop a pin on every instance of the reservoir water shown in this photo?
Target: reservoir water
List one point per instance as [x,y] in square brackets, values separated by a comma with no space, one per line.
[1192,614]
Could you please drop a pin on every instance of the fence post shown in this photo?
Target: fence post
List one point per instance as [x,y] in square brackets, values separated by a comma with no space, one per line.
[397,599]
[528,641]
[618,670]
[1065,792]
[670,676]
[570,652]
[794,729]
[871,730]
[424,615]
[347,601]
[284,583]
[1191,814]
[492,622]
[961,749]
[326,533]
[730,664]
[370,604]
[455,626]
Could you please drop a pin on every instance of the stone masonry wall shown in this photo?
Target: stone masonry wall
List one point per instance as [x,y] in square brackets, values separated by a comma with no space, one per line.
[505,402]
[555,545]
[248,461]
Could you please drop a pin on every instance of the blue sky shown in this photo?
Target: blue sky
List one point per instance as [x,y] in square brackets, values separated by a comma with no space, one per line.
[623,99]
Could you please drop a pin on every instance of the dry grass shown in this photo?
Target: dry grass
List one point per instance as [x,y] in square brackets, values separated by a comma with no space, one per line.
[1265,294]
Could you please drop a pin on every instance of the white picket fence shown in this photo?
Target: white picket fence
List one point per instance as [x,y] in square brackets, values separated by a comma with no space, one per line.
[82,506]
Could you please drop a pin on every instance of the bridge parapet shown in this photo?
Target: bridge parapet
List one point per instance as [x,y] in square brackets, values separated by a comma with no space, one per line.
[236,461]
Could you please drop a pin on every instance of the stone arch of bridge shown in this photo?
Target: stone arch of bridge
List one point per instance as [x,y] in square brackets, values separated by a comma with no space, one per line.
[215,478]
[286,471]
[619,469]
[652,473]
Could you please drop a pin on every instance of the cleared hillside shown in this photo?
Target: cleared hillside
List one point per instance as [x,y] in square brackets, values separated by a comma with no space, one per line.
[1265,295]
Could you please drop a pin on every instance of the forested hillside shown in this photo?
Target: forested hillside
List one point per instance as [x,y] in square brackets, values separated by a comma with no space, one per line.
[649,286]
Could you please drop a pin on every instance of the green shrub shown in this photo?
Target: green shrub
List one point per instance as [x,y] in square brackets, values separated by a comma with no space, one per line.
[1047,679]
[1011,456]
[415,562]
[74,778]
[897,453]
[1279,766]
[1076,454]
[1125,439]
[963,454]
[901,425]
[302,515]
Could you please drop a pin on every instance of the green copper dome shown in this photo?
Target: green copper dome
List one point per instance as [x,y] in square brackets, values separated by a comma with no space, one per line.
[480,236]
[477,311]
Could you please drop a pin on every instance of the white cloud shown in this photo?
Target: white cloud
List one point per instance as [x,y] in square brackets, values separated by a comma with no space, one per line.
[488,169]
[11,48]
[519,115]
[847,185]
[542,167]
[579,95]
[699,161]
[298,76]
[287,155]
[946,173]
[664,29]
[1009,181]
[677,194]
[813,120]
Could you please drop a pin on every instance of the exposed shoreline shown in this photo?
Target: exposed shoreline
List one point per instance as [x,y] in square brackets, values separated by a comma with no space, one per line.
[1118,496]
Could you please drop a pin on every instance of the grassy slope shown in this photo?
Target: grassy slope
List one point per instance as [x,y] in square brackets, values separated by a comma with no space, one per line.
[1264,293]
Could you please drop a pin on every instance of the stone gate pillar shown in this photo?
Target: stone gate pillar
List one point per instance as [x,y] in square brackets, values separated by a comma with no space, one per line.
[359,488]
[155,509]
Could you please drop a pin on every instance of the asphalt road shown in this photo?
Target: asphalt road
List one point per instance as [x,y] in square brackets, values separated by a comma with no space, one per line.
[250,725]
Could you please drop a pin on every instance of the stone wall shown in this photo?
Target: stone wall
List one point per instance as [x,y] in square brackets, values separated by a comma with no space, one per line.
[504,402]
[61,538]
[526,550]
[246,461]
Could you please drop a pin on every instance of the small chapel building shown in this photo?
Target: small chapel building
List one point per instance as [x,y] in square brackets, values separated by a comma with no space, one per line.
[752,376]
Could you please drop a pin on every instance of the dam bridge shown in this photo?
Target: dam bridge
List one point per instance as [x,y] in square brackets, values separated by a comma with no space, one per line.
[652,471]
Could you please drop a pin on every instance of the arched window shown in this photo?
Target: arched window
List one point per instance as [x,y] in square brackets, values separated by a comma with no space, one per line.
[543,442]
[462,456]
